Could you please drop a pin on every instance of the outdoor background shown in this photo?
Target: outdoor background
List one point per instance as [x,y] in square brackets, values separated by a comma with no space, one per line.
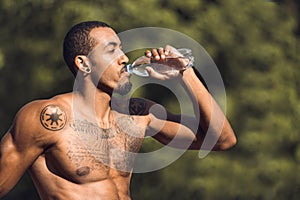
[255,44]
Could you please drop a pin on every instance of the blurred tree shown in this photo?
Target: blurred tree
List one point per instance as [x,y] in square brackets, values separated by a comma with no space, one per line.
[252,42]
[294,7]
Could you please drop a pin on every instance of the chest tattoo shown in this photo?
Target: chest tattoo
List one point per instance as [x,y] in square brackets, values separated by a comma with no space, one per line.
[89,129]
[115,147]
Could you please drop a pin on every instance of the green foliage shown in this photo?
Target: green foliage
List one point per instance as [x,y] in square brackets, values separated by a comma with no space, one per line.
[254,44]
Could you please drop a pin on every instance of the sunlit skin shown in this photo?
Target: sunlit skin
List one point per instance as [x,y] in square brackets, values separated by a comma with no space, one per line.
[77,152]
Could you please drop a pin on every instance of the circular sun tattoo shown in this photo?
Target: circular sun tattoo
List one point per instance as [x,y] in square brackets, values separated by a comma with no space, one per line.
[53,118]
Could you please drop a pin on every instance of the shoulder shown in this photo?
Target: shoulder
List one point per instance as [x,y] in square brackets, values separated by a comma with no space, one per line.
[40,109]
[139,107]
[142,106]
[135,106]
[39,117]
[131,106]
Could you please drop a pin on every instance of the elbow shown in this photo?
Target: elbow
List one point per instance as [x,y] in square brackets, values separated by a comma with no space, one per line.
[227,139]
[4,188]
[227,143]
[2,192]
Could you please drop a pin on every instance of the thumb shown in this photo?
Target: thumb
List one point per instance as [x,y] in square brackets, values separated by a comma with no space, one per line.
[155,74]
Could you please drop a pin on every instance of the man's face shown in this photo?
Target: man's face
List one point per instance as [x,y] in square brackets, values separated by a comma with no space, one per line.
[108,62]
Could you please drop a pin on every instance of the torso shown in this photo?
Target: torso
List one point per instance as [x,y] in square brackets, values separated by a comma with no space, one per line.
[88,162]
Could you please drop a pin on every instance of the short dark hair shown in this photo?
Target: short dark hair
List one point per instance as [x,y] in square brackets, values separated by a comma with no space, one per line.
[78,42]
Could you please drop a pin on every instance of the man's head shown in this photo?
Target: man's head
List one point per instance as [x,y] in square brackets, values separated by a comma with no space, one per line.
[95,49]
[79,42]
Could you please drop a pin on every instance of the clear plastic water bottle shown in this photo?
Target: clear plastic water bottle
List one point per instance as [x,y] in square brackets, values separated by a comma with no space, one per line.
[138,67]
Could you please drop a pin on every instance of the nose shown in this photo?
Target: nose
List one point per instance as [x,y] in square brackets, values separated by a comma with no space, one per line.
[123,59]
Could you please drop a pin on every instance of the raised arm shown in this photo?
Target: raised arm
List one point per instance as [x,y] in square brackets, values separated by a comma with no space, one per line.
[208,117]
[212,119]
[18,149]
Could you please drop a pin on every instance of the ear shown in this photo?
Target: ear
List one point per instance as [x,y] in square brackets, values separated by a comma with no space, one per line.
[82,64]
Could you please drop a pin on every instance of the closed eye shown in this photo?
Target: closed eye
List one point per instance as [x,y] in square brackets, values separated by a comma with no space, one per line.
[112,50]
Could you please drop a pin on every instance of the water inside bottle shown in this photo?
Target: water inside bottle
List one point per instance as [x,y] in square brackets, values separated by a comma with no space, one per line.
[139,65]
[140,70]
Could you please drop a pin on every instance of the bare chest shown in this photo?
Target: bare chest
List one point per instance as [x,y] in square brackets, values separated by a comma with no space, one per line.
[85,152]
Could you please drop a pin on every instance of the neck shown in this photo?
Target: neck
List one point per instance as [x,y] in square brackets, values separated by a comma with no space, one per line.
[91,103]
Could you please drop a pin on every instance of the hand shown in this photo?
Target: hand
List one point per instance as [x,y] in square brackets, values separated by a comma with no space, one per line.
[166,57]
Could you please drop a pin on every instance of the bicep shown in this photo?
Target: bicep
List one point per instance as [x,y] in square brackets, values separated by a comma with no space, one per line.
[9,156]
[179,131]
[12,152]
[171,132]
[14,160]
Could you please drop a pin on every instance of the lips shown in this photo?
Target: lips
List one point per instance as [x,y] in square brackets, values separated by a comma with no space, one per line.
[124,71]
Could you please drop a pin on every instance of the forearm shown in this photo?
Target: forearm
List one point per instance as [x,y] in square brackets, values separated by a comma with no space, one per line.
[10,169]
[8,180]
[13,163]
[6,183]
[207,112]
[199,96]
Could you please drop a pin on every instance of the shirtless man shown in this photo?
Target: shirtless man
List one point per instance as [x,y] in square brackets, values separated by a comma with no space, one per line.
[75,146]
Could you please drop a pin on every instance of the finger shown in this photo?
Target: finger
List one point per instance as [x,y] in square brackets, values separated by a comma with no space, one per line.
[161,52]
[148,53]
[155,74]
[167,52]
[155,54]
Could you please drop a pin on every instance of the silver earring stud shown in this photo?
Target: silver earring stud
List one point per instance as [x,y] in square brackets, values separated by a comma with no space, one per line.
[87,70]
